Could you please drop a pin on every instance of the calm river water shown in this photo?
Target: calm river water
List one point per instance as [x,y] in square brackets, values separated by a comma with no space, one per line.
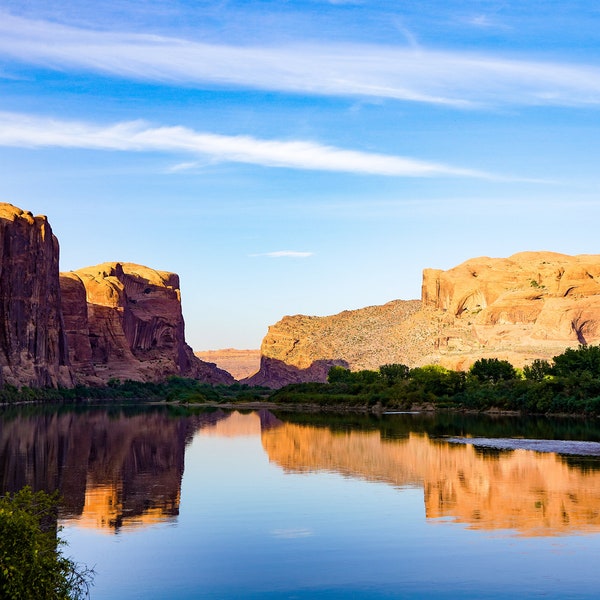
[180,505]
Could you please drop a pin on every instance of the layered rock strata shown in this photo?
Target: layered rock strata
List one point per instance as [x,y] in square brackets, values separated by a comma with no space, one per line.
[530,305]
[33,349]
[130,325]
[115,320]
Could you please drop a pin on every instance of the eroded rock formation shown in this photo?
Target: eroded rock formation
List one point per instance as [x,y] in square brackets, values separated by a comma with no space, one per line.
[131,326]
[302,348]
[115,320]
[33,347]
[530,305]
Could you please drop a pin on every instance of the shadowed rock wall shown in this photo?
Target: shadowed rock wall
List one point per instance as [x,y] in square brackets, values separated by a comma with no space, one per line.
[33,348]
[131,326]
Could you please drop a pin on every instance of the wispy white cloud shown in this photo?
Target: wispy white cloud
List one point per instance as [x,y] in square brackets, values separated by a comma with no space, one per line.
[29,131]
[291,533]
[412,74]
[285,254]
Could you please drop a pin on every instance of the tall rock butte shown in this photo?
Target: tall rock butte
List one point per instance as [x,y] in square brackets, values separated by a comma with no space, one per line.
[124,321]
[33,347]
[116,320]
[530,305]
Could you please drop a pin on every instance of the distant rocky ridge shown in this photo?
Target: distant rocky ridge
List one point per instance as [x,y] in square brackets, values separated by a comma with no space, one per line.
[530,305]
[115,320]
[240,363]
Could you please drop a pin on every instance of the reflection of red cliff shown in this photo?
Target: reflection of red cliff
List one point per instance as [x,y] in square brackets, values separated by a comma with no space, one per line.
[112,470]
[536,494]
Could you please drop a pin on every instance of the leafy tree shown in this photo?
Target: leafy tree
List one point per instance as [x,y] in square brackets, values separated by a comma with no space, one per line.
[366,376]
[338,374]
[492,370]
[574,361]
[31,563]
[437,380]
[393,373]
[537,370]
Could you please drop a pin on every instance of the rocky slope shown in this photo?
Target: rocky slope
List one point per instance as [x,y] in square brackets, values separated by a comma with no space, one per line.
[240,363]
[530,305]
[115,320]
[303,348]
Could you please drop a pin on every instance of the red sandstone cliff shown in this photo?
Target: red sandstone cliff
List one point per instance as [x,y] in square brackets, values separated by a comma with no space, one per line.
[129,326]
[33,347]
[240,363]
[116,320]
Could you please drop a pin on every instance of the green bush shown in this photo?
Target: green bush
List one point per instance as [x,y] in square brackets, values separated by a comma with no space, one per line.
[32,565]
[492,370]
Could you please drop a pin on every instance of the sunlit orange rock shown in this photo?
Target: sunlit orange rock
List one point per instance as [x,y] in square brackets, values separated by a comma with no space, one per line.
[528,306]
[240,363]
[130,327]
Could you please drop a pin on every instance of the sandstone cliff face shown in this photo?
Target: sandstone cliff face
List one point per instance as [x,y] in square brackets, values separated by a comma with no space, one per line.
[33,347]
[115,320]
[530,305]
[130,325]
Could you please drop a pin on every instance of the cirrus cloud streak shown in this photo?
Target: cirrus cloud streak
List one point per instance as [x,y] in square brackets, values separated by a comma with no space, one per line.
[30,131]
[456,79]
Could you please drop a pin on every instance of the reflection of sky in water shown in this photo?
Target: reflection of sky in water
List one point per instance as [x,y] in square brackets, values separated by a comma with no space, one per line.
[249,528]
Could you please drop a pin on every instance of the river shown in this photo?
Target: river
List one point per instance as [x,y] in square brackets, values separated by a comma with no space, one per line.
[172,504]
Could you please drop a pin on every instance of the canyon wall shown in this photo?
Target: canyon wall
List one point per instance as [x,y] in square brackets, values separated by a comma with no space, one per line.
[115,320]
[528,306]
[303,348]
[33,349]
[130,325]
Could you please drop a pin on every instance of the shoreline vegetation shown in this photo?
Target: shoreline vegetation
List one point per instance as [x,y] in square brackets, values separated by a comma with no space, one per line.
[567,385]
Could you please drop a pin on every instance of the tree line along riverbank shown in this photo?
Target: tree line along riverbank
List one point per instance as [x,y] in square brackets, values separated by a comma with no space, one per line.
[568,384]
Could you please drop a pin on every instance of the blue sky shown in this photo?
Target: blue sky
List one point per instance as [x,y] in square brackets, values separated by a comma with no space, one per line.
[301,156]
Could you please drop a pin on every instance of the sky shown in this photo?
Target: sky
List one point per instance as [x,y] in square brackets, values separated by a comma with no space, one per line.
[301,157]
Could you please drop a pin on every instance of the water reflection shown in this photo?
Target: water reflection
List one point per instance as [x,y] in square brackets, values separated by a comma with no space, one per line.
[119,469]
[113,469]
[533,493]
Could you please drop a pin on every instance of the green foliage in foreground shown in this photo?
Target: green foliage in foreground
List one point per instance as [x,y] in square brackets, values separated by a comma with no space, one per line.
[31,562]
[568,385]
